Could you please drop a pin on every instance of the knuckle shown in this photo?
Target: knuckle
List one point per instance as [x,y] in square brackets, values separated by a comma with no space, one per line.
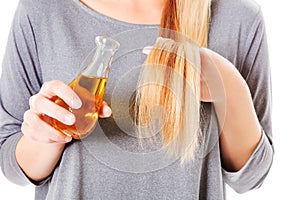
[56,82]
[33,120]
[47,86]
[24,128]
[28,132]
[57,85]
[52,85]
[35,103]
[54,88]
[35,133]
[26,115]
[38,131]
[32,101]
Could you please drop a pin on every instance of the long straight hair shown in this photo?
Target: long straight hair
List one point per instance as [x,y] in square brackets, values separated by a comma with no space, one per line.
[168,90]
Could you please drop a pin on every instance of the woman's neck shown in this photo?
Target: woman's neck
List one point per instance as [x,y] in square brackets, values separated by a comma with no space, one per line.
[131,11]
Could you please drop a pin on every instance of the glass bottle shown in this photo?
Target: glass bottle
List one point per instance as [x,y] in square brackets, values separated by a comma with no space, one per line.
[89,85]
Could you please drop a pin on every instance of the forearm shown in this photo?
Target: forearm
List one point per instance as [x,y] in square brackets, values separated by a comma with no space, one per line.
[240,129]
[37,160]
[239,125]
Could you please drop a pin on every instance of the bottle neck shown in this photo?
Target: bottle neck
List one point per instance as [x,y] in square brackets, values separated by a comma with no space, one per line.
[101,61]
[100,64]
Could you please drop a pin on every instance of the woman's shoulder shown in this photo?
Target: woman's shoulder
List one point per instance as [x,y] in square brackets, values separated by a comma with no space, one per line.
[238,9]
[234,24]
[40,7]
[37,4]
[42,11]
[235,15]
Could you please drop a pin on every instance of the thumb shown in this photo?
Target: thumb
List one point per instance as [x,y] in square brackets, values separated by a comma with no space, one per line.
[105,111]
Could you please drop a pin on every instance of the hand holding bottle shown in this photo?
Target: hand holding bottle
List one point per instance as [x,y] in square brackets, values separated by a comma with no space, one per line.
[90,86]
[42,104]
[60,112]
[58,104]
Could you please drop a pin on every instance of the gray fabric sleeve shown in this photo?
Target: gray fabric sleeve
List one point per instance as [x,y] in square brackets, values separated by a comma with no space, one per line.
[19,80]
[254,67]
[253,173]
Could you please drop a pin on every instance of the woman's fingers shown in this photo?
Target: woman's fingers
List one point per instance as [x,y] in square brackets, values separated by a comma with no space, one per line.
[38,130]
[58,88]
[105,110]
[41,105]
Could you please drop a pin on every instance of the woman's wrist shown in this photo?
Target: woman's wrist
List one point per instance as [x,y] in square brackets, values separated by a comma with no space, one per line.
[37,160]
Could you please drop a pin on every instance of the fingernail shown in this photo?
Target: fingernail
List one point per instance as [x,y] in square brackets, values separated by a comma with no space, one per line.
[76,103]
[146,50]
[107,111]
[68,139]
[70,119]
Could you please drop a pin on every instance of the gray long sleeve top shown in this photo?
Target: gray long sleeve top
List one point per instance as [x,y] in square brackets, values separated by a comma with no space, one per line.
[50,39]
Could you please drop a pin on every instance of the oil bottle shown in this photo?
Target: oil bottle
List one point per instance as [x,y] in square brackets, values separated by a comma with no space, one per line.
[90,86]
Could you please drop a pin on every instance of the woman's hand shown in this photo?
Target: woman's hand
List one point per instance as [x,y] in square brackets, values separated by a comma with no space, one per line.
[41,104]
[41,146]
[35,128]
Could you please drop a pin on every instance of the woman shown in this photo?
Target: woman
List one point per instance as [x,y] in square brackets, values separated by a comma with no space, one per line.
[49,40]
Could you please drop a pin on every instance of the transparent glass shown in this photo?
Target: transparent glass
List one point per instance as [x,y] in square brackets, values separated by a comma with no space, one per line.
[89,85]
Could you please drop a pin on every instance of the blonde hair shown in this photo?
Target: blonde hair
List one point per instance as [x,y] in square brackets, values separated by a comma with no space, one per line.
[170,79]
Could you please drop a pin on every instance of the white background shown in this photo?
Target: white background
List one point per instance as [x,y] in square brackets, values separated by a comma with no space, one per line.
[283,36]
